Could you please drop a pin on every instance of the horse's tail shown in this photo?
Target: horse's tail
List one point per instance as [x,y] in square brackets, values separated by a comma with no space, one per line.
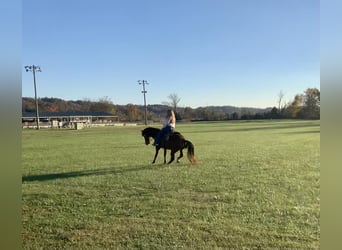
[191,152]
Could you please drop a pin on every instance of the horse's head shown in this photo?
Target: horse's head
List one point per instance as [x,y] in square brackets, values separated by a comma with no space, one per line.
[146,137]
[149,132]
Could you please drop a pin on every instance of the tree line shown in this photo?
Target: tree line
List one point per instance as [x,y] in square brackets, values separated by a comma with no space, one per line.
[303,106]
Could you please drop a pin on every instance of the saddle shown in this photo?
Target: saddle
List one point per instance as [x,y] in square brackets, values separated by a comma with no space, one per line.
[167,137]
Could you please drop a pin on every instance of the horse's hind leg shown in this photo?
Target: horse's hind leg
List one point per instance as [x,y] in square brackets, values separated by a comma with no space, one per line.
[180,155]
[164,156]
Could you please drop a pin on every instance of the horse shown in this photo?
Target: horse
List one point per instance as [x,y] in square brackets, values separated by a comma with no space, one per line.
[176,142]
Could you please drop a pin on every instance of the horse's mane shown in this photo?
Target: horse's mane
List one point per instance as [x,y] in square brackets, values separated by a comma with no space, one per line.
[150,129]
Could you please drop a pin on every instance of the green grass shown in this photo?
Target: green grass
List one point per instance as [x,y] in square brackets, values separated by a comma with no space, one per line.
[256,186]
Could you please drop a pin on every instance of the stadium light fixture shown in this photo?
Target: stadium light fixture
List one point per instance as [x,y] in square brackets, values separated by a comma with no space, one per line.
[143,82]
[34,69]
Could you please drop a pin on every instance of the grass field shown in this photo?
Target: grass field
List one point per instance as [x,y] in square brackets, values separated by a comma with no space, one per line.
[256,186]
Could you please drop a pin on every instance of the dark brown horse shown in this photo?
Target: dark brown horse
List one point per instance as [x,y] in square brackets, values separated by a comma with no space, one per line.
[176,142]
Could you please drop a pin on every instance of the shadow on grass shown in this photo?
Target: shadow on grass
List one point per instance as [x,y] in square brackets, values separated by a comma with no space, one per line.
[256,128]
[304,132]
[94,172]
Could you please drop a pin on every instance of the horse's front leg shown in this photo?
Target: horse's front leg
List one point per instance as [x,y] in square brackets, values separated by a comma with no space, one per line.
[172,156]
[155,155]
[164,155]
[180,155]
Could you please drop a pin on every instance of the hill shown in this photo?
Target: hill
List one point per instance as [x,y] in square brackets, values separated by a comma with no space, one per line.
[132,112]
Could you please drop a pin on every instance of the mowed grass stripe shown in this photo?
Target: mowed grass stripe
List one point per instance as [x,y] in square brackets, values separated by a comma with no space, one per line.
[256,184]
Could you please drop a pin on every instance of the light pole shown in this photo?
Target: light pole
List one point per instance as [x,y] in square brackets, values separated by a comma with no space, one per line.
[35,68]
[143,82]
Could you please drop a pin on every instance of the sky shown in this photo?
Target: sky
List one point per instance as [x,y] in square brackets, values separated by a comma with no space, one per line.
[208,52]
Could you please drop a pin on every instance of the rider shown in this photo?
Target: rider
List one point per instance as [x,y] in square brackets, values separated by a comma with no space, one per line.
[169,126]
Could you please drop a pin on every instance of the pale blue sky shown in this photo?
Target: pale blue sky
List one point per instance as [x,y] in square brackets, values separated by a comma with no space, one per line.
[209,52]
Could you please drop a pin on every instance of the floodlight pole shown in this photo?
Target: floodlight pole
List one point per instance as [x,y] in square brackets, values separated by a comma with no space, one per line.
[35,68]
[143,82]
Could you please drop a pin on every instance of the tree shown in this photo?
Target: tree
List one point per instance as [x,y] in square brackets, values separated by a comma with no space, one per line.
[246,113]
[188,113]
[173,103]
[62,106]
[132,112]
[28,104]
[86,104]
[274,113]
[281,105]
[312,103]
[104,104]
[235,116]
[174,100]
[294,110]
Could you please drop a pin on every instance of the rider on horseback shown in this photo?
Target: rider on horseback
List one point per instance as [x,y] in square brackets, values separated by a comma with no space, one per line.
[167,130]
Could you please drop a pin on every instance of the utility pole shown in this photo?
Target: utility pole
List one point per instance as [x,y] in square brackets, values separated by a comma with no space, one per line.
[143,82]
[35,68]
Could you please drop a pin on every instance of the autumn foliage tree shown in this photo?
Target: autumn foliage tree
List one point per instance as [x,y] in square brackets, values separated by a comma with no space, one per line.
[132,112]
[104,104]
[295,107]
[305,105]
[312,103]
